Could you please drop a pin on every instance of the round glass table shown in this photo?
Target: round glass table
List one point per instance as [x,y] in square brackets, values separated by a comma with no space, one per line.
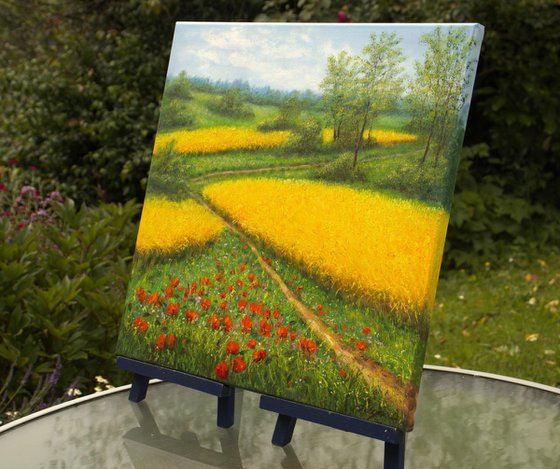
[465,419]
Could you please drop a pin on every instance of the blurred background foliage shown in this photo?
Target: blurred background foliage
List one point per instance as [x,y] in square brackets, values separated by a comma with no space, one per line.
[80,89]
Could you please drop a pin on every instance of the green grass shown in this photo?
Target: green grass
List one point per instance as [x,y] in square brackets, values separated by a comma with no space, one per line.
[204,117]
[502,319]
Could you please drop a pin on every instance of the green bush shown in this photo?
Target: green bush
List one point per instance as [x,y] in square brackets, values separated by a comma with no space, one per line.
[305,138]
[174,114]
[63,273]
[340,170]
[424,182]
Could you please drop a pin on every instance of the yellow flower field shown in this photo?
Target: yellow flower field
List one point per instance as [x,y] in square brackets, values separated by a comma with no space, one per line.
[365,243]
[383,137]
[170,226]
[219,139]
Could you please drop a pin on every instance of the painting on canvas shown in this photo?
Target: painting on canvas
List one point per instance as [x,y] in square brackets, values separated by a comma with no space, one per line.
[296,209]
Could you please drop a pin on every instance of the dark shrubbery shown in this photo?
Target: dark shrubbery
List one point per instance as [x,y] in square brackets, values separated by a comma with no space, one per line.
[64,271]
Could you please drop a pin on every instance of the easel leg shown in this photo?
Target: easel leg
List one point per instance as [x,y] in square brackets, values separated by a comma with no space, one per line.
[139,388]
[226,410]
[394,455]
[283,430]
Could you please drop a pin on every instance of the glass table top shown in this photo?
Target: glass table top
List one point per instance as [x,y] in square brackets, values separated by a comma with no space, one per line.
[463,421]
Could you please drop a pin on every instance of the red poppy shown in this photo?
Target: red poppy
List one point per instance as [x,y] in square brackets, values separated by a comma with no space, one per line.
[241,305]
[230,287]
[168,292]
[259,355]
[307,345]
[232,253]
[311,346]
[140,324]
[319,307]
[241,268]
[141,294]
[228,323]
[191,315]
[282,332]
[232,272]
[299,288]
[205,280]
[264,328]
[205,304]
[223,305]
[255,307]
[266,313]
[251,343]
[361,345]
[223,295]
[239,282]
[174,282]
[366,330]
[232,348]
[255,284]
[153,298]
[238,365]
[201,291]
[193,287]
[276,313]
[215,322]
[247,324]
[173,309]
[293,336]
[251,277]
[244,294]
[221,370]
[342,373]
[160,342]
[171,340]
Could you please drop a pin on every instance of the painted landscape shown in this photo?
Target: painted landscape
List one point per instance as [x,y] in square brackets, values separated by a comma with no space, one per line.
[296,209]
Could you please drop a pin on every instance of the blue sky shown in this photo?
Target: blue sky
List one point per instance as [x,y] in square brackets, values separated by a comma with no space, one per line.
[282,56]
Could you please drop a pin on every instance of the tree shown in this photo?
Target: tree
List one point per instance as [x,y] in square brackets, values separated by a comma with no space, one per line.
[379,82]
[337,89]
[437,95]
[357,89]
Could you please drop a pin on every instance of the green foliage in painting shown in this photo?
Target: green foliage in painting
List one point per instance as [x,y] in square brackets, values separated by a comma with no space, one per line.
[306,137]
[342,169]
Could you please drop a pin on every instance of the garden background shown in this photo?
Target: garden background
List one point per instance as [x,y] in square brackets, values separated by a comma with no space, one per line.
[80,88]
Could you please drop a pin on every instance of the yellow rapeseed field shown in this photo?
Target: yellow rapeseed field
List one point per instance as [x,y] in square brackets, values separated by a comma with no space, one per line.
[219,139]
[383,137]
[167,226]
[365,243]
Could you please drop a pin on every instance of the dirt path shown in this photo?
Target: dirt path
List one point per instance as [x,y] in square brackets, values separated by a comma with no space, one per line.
[288,167]
[401,394]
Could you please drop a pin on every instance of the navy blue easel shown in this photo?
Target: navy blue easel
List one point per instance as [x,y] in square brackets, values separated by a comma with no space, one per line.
[289,411]
[143,372]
